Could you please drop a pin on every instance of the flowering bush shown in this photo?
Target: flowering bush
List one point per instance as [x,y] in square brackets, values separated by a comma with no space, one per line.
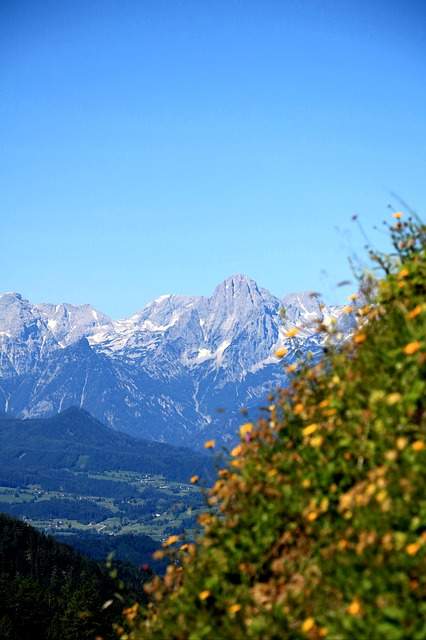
[318,522]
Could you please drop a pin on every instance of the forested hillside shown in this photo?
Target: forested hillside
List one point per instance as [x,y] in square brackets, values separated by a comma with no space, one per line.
[76,441]
[48,591]
[318,524]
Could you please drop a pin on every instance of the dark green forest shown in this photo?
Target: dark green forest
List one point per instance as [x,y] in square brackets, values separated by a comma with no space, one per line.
[49,591]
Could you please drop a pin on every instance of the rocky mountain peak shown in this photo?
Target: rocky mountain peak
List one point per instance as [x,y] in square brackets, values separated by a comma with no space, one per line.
[237,287]
[9,296]
[161,373]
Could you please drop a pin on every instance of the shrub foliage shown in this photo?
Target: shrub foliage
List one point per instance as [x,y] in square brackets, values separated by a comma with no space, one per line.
[317,526]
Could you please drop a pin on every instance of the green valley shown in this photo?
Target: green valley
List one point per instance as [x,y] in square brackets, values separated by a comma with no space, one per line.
[97,489]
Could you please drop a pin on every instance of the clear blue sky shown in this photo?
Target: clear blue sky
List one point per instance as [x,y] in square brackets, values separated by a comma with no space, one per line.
[159,146]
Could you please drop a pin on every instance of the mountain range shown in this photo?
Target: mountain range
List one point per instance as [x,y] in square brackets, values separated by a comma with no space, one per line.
[177,371]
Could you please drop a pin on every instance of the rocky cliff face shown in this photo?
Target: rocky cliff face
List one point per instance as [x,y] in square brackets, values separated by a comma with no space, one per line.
[177,371]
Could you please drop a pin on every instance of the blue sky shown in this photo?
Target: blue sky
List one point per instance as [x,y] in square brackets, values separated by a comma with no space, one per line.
[158,147]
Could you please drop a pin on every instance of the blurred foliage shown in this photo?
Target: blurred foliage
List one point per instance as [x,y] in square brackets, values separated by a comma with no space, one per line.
[317,527]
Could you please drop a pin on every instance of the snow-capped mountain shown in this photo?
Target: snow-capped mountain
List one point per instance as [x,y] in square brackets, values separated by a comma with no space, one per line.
[178,371]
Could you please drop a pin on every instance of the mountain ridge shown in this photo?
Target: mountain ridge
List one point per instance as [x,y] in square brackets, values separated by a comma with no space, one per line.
[76,440]
[162,372]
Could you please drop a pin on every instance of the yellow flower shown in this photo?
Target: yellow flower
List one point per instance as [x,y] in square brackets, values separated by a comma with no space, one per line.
[131,612]
[203,595]
[234,608]
[347,309]
[401,443]
[317,441]
[291,368]
[418,445]
[324,504]
[391,455]
[236,451]
[393,398]
[412,347]
[415,312]
[170,540]
[311,428]
[292,332]
[412,548]
[398,215]
[308,625]
[312,515]
[209,444]
[381,496]
[205,519]
[298,408]
[281,352]
[246,428]
[352,297]
[365,310]
[403,273]
[360,338]
[354,609]
[330,412]
[194,479]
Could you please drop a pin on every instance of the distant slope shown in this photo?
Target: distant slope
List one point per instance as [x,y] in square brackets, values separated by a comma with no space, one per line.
[48,591]
[76,441]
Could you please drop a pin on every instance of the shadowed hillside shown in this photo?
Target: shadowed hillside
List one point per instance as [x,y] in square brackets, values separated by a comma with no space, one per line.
[75,440]
[48,591]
